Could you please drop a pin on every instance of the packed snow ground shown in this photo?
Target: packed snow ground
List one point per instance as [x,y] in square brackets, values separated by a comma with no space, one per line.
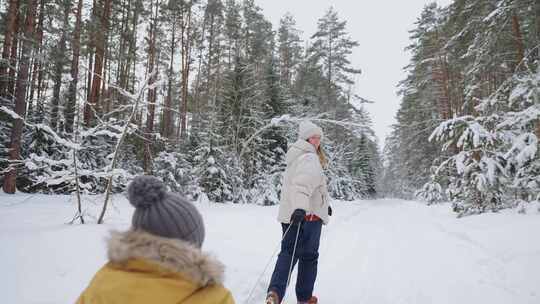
[376,252]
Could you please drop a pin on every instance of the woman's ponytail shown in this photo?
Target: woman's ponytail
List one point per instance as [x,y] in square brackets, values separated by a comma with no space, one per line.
[322,157]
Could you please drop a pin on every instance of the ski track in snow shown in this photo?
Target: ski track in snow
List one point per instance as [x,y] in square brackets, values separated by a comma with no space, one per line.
[376,252]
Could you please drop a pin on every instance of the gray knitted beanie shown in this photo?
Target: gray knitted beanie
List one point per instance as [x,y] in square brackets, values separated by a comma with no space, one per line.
[308,129]
[163,213]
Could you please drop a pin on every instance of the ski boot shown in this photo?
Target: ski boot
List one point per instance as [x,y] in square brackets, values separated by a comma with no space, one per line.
[272,298]
[312,300]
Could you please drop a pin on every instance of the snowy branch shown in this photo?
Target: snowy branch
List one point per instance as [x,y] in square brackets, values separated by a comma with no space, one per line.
[120,141]
[44,128]
[290,119]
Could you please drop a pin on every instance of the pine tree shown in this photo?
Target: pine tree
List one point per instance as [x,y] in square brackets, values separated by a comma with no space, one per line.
[362,168]
[9,41]
[186,47]
[481,105]
[272,144]
[215,16]
[152,70]
[257,35]
[289,49]
[232,29]
[216,174]
[10,178]
[71,103]
[176,171]
[100,42]
[309,85]
[60,58]
[332,46]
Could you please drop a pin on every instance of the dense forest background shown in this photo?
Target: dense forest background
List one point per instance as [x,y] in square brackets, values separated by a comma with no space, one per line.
[469,122]
[204,94]
[208,94]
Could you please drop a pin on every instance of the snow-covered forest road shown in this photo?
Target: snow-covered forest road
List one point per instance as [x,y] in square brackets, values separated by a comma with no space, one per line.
[376,252]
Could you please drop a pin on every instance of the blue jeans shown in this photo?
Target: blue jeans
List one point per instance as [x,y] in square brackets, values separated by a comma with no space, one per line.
[307,256]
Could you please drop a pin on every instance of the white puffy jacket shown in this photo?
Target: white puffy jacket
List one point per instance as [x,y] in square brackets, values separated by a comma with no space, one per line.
[304,184]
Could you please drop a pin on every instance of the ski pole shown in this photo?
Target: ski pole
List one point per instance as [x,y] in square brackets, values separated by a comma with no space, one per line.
[267,264]
[292,261]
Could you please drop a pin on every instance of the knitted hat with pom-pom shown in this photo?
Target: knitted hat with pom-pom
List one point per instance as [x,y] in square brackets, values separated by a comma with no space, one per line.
[163,213]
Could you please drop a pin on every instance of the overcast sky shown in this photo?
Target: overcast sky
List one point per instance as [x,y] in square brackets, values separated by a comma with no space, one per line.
[381,28]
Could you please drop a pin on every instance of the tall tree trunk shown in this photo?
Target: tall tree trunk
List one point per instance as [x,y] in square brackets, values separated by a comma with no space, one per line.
[147,159]
[59,67]
[87,112]
[105,102]
[537,30]
[167,113]
[129,47]
[10,90]
[520,53]
[329,87]
[210,57]
[444,95]
[41,77]
[10,179]
[43,86]
[182,54]
[130,69]
[197,100]
[219,75]
[37,70]
[285,64]
[123,40]
[441,76]
[538,128]
[101,45]
[186,60]
[9,38]
[70,109]
[537,17]
[89,79]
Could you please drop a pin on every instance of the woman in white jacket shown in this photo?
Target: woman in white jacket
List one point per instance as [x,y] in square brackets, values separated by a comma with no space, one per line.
[304,205]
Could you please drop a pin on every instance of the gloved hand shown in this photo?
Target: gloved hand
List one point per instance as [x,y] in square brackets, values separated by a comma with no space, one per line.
[329,211]
[298,216]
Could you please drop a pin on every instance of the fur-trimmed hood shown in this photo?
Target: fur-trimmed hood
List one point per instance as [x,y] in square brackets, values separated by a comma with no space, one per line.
[171,254]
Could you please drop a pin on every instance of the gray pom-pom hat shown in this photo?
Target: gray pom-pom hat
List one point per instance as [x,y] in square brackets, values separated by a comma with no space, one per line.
[164,213]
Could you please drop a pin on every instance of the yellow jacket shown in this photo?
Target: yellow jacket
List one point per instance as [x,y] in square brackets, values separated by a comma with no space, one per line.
[144,268]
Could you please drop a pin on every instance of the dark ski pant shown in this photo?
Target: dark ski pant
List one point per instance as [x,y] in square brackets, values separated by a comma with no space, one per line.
[307,256]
